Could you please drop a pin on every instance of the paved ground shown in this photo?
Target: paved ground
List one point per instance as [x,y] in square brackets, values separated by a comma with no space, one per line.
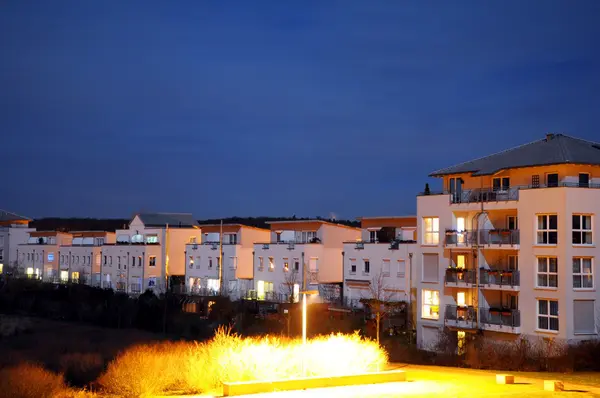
[438,382]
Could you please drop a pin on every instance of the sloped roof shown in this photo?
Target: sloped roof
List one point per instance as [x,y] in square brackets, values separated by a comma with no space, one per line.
[554,149]
[8,216]
[174,220]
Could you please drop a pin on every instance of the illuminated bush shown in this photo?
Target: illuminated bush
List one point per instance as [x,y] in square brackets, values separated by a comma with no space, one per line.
[195,368]
[30,381]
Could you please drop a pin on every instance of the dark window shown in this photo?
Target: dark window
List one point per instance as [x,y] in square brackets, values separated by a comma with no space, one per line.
[296,265]
[584,180]
[367,266]
[552,180]
[501,183]
[353,268]
[373,236]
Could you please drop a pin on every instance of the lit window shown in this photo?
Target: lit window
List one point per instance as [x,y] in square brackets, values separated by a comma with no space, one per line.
[431,304]
[29,271]
[460,299]
[192,239]
[286,265]
[191,262]
[212,284]
[583,273]
[547,272]
[547,315]
[75,276]
[431,230]
[271,264]
[582,229]
[151,239]
[152,261]
[152,281]
[547,229]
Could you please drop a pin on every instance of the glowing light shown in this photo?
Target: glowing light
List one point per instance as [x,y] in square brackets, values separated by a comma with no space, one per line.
[202,368]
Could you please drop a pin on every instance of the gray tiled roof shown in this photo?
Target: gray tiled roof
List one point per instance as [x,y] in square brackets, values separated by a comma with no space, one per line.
[175,220]
[8,216]
[554,149]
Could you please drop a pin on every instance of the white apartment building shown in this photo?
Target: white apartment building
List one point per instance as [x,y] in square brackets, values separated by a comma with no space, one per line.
[379,264]
[14,231]
[510,247]
[143,254]
[81,260]
[300,254]
[39,256]
[202,259]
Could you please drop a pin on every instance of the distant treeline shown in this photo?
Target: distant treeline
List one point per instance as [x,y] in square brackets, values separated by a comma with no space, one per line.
[110,224]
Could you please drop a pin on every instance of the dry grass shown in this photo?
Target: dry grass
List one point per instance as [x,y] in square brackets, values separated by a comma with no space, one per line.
[30,381]
[200,368]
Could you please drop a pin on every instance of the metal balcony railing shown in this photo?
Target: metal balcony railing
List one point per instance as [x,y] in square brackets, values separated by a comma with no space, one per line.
[456,275]
[500,317]
[466,316]
[482,237]
[500,277]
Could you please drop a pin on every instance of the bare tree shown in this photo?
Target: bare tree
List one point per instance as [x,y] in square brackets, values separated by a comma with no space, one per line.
[379,298]
[291,278]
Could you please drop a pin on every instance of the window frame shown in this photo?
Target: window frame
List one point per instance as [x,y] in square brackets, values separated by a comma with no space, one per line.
[582,274]
[501,185]
[547,273]
[547,231]
[548,316]
[366,266]
[582,231]
[433,232]
[430,304]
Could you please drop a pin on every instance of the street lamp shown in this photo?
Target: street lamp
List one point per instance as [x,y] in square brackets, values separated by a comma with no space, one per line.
[304,294]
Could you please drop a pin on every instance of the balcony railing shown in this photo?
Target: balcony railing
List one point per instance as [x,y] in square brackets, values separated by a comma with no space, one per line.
[464,316]
[482,237]
[500,317]
[479,195]
[500,277]
[460,275]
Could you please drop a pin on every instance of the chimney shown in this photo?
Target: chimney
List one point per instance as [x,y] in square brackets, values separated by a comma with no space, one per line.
[549,136]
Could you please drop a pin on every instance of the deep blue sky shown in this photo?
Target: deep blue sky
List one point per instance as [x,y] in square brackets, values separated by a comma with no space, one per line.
[225,108]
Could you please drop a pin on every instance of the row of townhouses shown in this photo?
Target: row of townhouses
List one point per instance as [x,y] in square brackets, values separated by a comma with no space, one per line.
[507,247]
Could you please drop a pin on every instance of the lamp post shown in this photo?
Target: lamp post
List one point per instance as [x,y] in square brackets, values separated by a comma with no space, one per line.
[304,294]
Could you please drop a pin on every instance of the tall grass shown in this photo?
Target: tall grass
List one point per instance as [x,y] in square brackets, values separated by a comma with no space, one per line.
[30,381]
[146,370]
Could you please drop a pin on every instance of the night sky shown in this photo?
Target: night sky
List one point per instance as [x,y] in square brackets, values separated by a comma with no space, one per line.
[251,108]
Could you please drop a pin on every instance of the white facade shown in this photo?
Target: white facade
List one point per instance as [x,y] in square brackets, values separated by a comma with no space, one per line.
[517,261]
[137,261]
[11,236]
[379,264]
[38,258]
[202,259]
[300,254]
[81,260]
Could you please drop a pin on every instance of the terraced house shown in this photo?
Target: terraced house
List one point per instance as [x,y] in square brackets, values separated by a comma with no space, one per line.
[302,254]
[378,265]
[510,246]
[143,254]
[203,259]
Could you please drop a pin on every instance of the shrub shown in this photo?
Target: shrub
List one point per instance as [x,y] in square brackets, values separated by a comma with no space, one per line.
[30,381]
[203,367]
[81,369]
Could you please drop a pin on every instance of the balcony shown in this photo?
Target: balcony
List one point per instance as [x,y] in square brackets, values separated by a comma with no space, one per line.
[491,195]
[460,277]
[462,317]
[500,319]
[484,237]
[499,279]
